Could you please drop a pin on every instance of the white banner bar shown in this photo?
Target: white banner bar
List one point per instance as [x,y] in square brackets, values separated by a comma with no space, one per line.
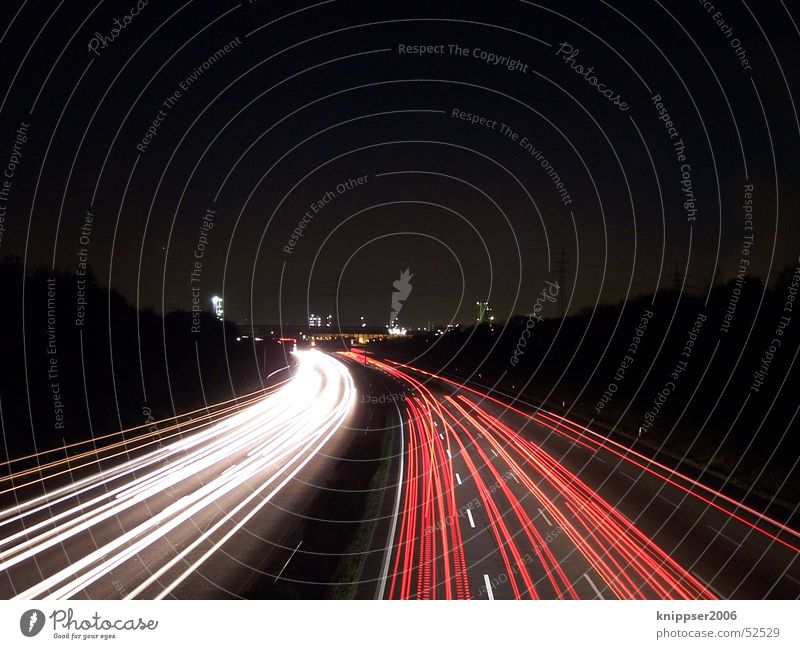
[355,624]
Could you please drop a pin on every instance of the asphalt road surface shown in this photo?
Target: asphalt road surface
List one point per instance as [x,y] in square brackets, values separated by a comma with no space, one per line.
[501,503]
[476,499]
[172,513]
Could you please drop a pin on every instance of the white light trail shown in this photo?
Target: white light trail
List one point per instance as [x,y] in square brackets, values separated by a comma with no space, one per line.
[223,475]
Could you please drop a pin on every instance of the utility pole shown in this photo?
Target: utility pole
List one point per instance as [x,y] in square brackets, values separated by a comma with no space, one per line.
[562,264]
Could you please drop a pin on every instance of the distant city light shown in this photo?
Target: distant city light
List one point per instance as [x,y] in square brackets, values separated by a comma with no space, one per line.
[484,312]
[218,310]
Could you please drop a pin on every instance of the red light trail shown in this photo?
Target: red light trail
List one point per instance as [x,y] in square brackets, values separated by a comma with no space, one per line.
[432,557]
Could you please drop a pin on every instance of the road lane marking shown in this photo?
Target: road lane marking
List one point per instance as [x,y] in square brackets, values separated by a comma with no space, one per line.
[471,520]
[448,454]
[544,516]
[599,459]
[724,536]
[674,504]
[707,585]
[285,367]
[200,453]
[793,579]
[495,452]
[511,473]
[441,436]
[591,583]
[458,478]
[488,586]
[630,477]
[278,576]
[390,541]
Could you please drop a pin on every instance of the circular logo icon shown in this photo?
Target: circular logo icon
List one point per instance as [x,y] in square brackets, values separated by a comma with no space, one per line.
[31,622]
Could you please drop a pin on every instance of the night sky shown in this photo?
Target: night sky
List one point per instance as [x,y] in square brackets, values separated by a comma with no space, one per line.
[497,143]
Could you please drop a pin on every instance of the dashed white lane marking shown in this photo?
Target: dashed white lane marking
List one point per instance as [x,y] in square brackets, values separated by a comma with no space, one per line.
[448,454]
[709,586]
[544,516]
[674,504]
[291,556]
[511,473]
[793,579]
[599,459]
[471,520]
[441,436]
[724,536]
[591,583]
[630,477]
[488,586]
[458,478]
[495,452]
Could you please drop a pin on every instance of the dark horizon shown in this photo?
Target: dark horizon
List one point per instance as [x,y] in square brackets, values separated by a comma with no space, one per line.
[472,136]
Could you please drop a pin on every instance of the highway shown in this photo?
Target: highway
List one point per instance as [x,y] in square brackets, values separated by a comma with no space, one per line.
[502,503]
[262,496]
[167,510]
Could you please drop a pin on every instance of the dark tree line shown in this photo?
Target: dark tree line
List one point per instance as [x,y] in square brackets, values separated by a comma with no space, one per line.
[60,381]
